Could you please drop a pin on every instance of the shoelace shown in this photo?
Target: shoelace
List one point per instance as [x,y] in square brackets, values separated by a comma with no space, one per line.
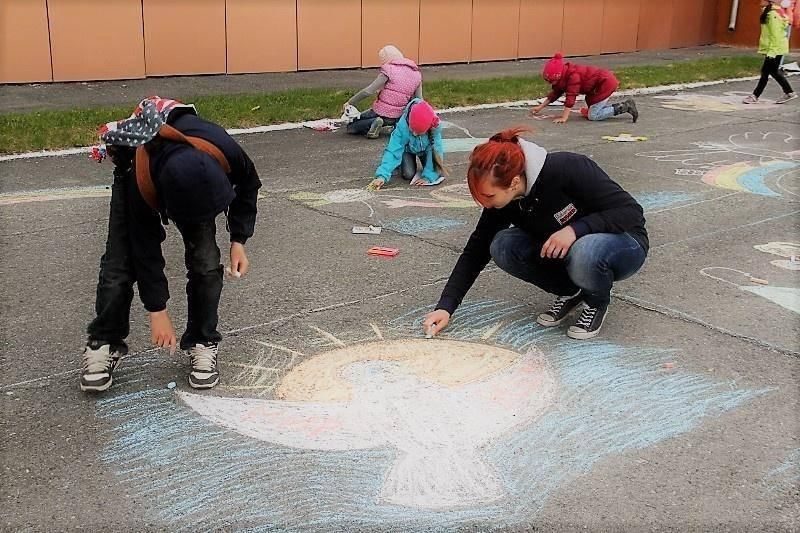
[558,304]
[204,358]
[586,317]
[96,360]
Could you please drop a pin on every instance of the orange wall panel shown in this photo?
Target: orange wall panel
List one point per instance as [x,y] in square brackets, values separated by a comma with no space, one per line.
[709,18]
[619,34]
[583,27]
[24,42]
[445,31]
[328,34]
[389,22]
[90,46]
[184,36]
[495,31]
[655,25]
[261,35]
[686,23]
[540,27]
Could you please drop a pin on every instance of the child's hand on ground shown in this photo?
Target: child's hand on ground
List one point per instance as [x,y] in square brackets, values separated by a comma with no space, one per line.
[239,262]
[375,184]
[435,322]
[537,109]
[564,116]
[559,243]
[162,334]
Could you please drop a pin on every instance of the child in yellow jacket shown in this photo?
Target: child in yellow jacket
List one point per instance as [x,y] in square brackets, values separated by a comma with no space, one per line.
[774,44]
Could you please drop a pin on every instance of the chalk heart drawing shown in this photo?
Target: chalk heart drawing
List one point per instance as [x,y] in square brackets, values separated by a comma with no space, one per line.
[763,163]
[439,403]
[789,250]
[729,101]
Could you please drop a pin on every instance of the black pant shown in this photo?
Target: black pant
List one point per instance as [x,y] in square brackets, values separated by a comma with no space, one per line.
[361,125]
[117,275]
[771,67]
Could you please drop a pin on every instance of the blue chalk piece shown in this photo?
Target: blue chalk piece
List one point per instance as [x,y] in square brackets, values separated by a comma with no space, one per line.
[171,385]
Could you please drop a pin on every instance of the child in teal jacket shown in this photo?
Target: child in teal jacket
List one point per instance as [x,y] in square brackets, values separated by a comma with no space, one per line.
[417,134]
[774,44]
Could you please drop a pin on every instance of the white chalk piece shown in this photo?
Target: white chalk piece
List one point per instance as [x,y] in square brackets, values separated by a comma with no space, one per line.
[232,274]
[759,281]
[429,332]
[171,385]
[367,230]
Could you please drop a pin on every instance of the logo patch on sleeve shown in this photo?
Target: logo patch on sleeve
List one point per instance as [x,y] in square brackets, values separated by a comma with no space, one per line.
[565,214]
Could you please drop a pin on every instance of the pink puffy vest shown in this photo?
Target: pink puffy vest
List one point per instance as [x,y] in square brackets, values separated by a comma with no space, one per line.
[404,78]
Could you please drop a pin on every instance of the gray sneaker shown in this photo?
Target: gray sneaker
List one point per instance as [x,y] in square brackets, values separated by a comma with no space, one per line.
[375,128]
[785,98]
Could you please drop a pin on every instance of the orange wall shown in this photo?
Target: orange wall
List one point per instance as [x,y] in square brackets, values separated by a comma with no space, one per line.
[328,34]
[261,35]
[540,27]
[619,35]
[85,47]
[748,27]
[495,31]
[195,45]
[389,22]
[445,31]
[583,27]
[23,28]
[62,41]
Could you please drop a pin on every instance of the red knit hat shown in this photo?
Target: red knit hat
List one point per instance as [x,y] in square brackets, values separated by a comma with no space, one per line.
[422,117]
[554,68]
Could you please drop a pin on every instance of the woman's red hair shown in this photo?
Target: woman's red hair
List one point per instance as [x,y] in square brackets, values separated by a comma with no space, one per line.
[501,158]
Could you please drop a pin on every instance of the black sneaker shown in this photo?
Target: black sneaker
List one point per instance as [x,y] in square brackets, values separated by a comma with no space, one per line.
[375,128]
[559,310]
[99,362]
[589,323]
[204,374]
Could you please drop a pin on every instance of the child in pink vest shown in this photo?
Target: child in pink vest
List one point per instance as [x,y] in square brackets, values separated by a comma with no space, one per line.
[597,84]
[398,82]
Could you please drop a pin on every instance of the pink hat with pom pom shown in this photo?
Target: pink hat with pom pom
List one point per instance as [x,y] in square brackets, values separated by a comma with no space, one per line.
[554,68]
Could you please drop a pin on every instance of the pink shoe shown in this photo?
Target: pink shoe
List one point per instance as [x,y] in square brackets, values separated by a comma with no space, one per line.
[751,99]
[785,98]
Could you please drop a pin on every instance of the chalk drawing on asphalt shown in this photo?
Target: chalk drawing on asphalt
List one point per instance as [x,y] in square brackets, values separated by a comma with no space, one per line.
[420,225]
[49,195]
[724,103]
[789,250]
[763,163]
[786,297]
[581,403]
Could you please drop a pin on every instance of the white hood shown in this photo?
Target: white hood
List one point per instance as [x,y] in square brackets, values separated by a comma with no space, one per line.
[534,161]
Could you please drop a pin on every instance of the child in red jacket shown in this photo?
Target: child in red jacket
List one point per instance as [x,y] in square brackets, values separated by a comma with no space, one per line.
[596,83]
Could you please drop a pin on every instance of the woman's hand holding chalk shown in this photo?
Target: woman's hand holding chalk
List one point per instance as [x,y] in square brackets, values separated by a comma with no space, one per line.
[239,262]
[435,322]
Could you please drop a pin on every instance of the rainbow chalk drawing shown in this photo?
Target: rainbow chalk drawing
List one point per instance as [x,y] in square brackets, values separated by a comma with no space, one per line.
[763,163]
[378,426]
[659,200]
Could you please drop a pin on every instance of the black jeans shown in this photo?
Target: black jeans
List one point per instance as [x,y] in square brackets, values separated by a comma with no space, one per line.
[408,165]
[117,275]
[771,67]
[361,125]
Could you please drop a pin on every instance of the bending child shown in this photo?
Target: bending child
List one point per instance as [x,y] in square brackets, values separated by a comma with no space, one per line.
[597,84]
[398,82]
[169,164]
[416,135]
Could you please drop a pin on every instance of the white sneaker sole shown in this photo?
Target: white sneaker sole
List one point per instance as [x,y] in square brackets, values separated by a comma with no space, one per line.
[97,388]
[203,385]
[582,334]
[551,323]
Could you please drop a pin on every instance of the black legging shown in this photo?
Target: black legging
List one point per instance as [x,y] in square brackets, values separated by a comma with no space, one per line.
[771,67]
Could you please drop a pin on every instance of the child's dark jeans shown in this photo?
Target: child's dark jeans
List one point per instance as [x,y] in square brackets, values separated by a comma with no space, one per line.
[117,275]
[361,125]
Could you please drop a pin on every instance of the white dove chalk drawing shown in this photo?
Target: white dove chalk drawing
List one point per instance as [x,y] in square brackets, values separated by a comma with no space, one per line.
[403,397]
